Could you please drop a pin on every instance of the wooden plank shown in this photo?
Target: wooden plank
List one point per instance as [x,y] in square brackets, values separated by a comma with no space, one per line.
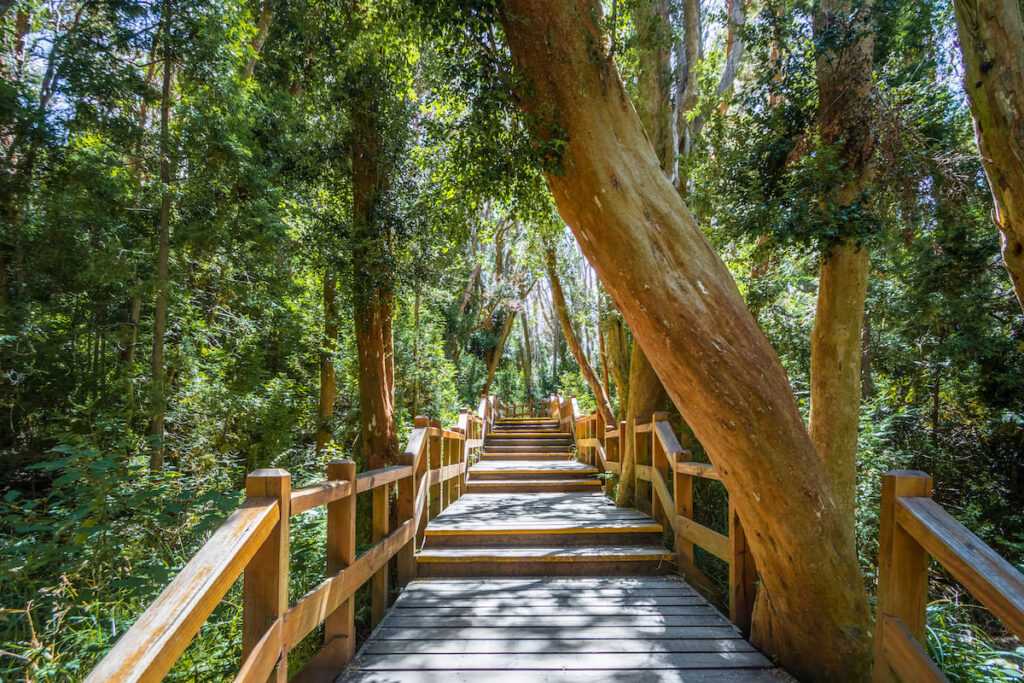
[905,656]
[988,577]
[902,565]
[576,676]
[566,601]
[148,650]
[315,605]
[530,609]
[260,664]
[339,624]
[386,475]
[550,633]
[317,495]
[400,620]
[668,440]
[542,661]
[381,524]
[715,543]
[265,578]
[742,575]
[643,472]
[698,469]
[564,646]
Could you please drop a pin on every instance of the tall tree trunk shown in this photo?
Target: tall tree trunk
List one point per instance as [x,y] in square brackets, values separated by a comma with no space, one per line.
[372,281]
[654,80]
[844,118]
[262,28]
[992,40]
[158,391]
[618,356]
[325,409]
[600,395]
[646,395]
[685,310]
[416,354]
[495,355]
[527,356]
[867,379]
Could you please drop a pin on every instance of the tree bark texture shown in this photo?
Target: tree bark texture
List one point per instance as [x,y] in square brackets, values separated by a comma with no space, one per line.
[992,40]
[844,120]
[527,357]
[646,395]
[686,312]
[494,357]
[325,408]
[654,81]
[158,390]
[373,297]
[558,296]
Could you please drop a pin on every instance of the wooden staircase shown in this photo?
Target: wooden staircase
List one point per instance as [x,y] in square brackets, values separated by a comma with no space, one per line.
[533,510]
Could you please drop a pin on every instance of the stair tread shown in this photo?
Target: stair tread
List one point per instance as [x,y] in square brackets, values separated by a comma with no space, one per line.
[546,482]
[527,466]
[554,553]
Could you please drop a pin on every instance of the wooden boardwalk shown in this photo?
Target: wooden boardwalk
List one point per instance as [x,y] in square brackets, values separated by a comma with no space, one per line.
[557,629]
[538,577]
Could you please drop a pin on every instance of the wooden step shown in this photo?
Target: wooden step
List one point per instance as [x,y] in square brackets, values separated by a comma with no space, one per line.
[505,470]
[624,533]
[534,485]
[505,454]
[627,560]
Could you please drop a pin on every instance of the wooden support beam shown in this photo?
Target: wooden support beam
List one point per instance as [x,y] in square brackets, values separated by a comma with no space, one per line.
[339,626]
[902,566]
[742,575]
[435,449]
[381,522]
[265,579]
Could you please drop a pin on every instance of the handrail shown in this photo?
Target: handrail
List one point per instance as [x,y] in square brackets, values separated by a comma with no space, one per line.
[660,458]
[913,526]
[254,542]
[148,650]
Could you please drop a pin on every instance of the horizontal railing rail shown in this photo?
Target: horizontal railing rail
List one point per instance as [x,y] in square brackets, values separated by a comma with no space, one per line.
[254,543]
[914,527]
[660,459]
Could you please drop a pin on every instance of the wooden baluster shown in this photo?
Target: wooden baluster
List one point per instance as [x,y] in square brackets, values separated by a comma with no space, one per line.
[457,457]
[902,566]
[682,494]
[265,580]
[381,522]
[435,451]
[421,464]
[407,490]
[642,456]
[339,626]
[659,460]
[742,575]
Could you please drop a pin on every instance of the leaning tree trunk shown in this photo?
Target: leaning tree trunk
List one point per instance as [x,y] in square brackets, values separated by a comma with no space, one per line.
[527,356]
[992,40]
[499,348]
[844,119]
[685,310]
[600,395]
[158,391]
[646,395]
[325,408]
[372,299]
[618,356]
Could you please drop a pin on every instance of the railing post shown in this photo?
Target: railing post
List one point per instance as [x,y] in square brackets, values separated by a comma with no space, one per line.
[457,456]
[742,575]
[682,494]
[421,465]
[339,626]
[407,490]
[902,566]
[381,522]
[436,445]
[265,580]
[659,461]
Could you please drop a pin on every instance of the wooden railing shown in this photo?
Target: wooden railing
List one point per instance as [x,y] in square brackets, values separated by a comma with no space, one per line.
[914,527]
[254,543]
[528,409]
[660,459]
